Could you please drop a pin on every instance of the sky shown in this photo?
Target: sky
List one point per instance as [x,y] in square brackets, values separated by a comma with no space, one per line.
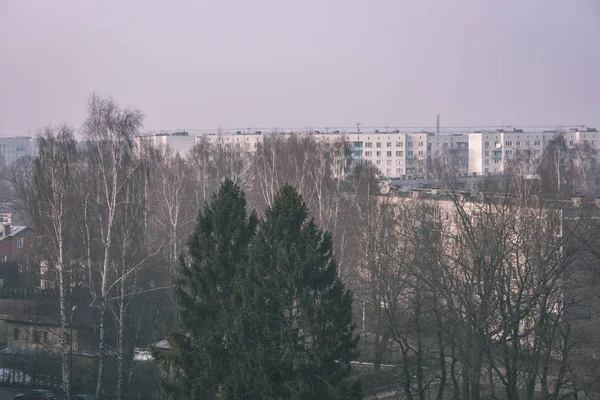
[208,64]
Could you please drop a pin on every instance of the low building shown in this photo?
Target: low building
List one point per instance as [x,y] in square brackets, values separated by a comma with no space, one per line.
[15,242]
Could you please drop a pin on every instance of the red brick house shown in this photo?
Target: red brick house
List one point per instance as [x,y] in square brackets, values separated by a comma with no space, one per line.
[15,242]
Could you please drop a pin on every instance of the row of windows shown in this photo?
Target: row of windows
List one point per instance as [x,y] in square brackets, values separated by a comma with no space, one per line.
[38,336]
[389,153]
[518,143]
[389,144]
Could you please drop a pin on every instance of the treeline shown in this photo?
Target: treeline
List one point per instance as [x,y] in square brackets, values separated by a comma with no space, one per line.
[454,297]
[112,216]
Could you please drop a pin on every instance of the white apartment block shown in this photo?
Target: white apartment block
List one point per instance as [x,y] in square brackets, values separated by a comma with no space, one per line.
[179,142]
[405,155]
[489,152]
[13,148]
[247,142]
[395,154]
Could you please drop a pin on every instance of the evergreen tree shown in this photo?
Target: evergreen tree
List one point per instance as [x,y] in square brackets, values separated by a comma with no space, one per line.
[294,336]
[198,360]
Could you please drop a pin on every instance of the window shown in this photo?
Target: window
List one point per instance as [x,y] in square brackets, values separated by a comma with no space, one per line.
[378,144]
[17,334]
[378,162]
[399,153]
[508,143]
[508,152]
[537,143]
[37,337]
[496,161]
[486,162]
[486,170]
[487,144]
[398,170]
[19,243]
[378,154]
[388,144]
[389,162]
[487,153]
[3,259]
[420,152]
[399,144]
[368,144]
[570,143]
[368,153]
[409,144]
[420,144]
[388,154]
[399,162]
[536,152]
[527,143]
[388,170]
[409,153]
[518,143]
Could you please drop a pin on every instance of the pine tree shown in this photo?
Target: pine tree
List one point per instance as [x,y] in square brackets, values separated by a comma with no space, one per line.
[198,360]
[294,337]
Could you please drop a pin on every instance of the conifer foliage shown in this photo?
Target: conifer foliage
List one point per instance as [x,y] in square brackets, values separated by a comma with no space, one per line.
[262,315]
[198,360]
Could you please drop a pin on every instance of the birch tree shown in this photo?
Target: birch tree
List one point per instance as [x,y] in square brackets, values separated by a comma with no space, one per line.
[55,174]
[109,131]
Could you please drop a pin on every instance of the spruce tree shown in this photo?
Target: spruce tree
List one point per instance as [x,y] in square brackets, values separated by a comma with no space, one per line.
[294,335]
[197,363]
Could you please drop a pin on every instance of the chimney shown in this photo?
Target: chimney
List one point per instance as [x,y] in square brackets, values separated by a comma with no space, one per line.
[6,230]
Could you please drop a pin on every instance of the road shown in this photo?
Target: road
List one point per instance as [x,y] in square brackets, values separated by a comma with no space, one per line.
[7,393]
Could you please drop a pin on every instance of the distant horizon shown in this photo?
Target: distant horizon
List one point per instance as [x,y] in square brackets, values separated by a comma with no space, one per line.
[351,129]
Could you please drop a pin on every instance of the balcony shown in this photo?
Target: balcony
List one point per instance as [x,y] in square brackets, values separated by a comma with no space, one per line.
[497,156]
[411,157]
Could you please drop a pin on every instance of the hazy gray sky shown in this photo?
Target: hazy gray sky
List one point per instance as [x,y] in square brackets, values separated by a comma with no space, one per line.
[277,63]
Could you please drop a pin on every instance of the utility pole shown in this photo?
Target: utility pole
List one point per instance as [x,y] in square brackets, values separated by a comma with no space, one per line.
[437,124]
[358,124]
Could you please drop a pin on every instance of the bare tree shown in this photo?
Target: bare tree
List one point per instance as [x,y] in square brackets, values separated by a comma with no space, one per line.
[110,131]
[51,204]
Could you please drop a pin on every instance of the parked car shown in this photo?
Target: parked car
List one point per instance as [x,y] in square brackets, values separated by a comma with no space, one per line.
[36,395]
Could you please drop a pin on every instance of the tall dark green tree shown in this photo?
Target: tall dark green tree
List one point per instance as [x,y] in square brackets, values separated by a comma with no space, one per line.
[198,360]
[294,335]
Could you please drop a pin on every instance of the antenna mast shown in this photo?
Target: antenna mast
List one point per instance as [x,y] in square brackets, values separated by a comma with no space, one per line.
[437,124]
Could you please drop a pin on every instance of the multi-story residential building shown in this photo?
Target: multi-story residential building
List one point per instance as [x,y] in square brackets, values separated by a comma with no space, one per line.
[247,142]
[13,148]
[489,152]
[407,155]
[395,154]
[452,150]
[179,142]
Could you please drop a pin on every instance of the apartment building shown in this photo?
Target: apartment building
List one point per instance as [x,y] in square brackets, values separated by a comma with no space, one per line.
[247,142]
[179,142]
[489,152]
[13,148]
[395,154]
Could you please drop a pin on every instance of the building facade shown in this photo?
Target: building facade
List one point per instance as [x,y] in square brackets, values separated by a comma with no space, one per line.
[15,242]
[13,148]
[490,152]
[407,155]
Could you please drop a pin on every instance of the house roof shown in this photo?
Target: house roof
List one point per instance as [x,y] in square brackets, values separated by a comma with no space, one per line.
[14,230]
